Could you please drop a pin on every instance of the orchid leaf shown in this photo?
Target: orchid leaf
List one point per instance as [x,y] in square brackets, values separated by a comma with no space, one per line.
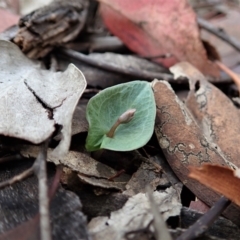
[106,107]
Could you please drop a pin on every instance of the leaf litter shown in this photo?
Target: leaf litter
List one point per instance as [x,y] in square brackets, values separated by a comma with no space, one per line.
[134,215]
[34,100]
[171,29]
[200,129]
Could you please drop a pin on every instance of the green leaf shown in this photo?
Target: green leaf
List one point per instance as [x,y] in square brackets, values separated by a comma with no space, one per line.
[105,108]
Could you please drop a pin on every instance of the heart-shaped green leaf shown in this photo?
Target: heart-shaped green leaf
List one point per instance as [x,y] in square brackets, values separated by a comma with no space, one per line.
[105,108]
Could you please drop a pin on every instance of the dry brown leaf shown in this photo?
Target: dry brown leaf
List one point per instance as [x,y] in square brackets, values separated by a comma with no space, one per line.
[218,178]
[88,170]
[157,27]
[184,144]
[214,112]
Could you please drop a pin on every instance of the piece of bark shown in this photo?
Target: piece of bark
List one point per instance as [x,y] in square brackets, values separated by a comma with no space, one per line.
[184,144]
[19,203]
[49,26]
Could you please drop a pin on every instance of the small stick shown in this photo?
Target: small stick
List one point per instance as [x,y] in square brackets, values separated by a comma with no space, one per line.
[116,175]
[105,66]
[17,178]
[219,33]
[10,158]
[53,64]
[204,222]
[40,171]
[160,229]
[91,90]
[77,56]
[56,180]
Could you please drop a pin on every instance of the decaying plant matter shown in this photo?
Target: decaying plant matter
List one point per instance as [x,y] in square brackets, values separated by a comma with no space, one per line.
[144,139]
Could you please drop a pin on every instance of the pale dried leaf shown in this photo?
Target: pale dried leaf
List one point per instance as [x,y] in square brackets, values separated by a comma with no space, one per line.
[134,215]
[88,170]
[34,100]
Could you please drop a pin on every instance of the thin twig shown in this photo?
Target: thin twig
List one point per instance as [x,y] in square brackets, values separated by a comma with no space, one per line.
[17,178]
[53,63]
[10,158]
[203,223]
[116,175]
[145,75]
[92,90]
[40,171]
[56,180]
[105,66]
[219,33]
[160,229]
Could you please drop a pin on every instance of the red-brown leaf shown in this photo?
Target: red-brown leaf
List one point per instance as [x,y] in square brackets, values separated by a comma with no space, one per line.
[218,178]
[7,19]
[158,27]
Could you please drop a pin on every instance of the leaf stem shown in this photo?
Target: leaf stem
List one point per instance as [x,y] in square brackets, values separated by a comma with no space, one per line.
[111,132]
[124,118]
